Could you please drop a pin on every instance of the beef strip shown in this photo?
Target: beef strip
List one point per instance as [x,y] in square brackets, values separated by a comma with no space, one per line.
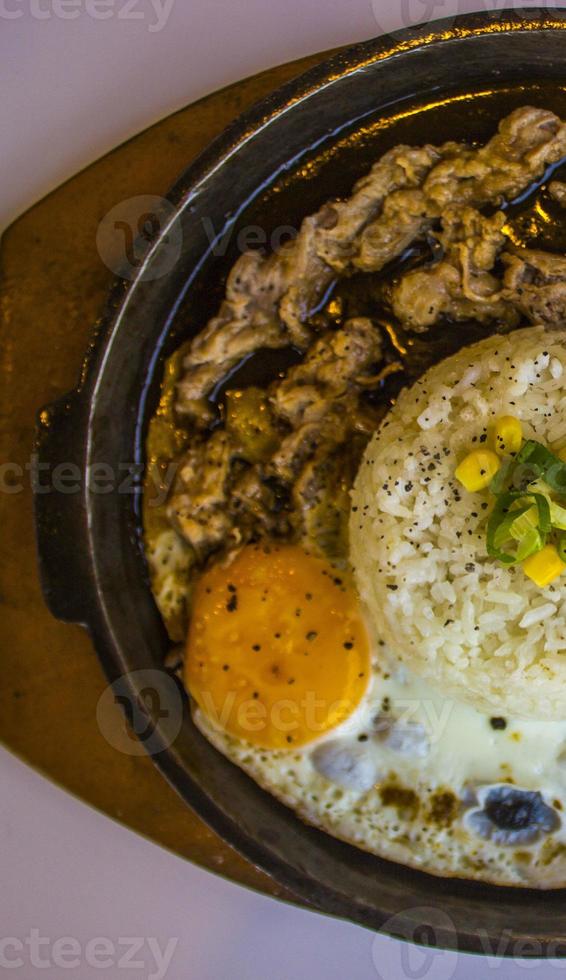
[246,322]
[198,508]
[254,507]
[399,172]
[535,284]
[220,499]
[461,285]
[405,219]
[527,142]
[319,400]
[321,495]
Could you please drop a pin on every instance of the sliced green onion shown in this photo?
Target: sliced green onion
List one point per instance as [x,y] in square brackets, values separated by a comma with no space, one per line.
[525,511]
[543,507]
[543,463]
[532,543]
[500,481]
[525,522]
[557,512]
[510,523]
[558,516]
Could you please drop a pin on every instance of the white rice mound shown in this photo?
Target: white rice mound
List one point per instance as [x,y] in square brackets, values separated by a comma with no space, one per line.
[479,631]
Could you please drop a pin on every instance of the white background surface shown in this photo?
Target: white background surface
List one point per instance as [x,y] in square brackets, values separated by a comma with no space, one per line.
[73,86]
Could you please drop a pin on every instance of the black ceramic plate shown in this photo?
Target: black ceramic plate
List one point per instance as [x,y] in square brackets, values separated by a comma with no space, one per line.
[308,142]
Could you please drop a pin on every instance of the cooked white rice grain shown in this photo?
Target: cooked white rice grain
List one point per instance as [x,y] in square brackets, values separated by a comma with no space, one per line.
[484,632]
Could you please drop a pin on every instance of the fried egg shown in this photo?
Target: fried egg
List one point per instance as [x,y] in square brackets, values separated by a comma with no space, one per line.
[290,685]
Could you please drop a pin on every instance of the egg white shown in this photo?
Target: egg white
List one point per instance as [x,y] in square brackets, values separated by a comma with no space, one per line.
[424,751]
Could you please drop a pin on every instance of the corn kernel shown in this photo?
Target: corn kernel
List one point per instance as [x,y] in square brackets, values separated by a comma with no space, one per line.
[508,435]
[544,567]
[477,470]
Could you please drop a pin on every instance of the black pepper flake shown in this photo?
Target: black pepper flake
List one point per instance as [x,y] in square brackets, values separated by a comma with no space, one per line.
[312,635]
[232,588]
[226,667]
[470,567]
[232,604]
[393,588]
[498,724]
[256,647]
[348,645]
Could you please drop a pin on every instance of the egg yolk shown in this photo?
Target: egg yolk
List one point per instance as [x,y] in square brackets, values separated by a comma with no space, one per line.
[278,653]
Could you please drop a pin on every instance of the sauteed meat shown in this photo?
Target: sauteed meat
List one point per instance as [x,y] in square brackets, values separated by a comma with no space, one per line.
[228,482]
[461,286]
[269,299]
[320,399]
[278,461]
[535,282]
